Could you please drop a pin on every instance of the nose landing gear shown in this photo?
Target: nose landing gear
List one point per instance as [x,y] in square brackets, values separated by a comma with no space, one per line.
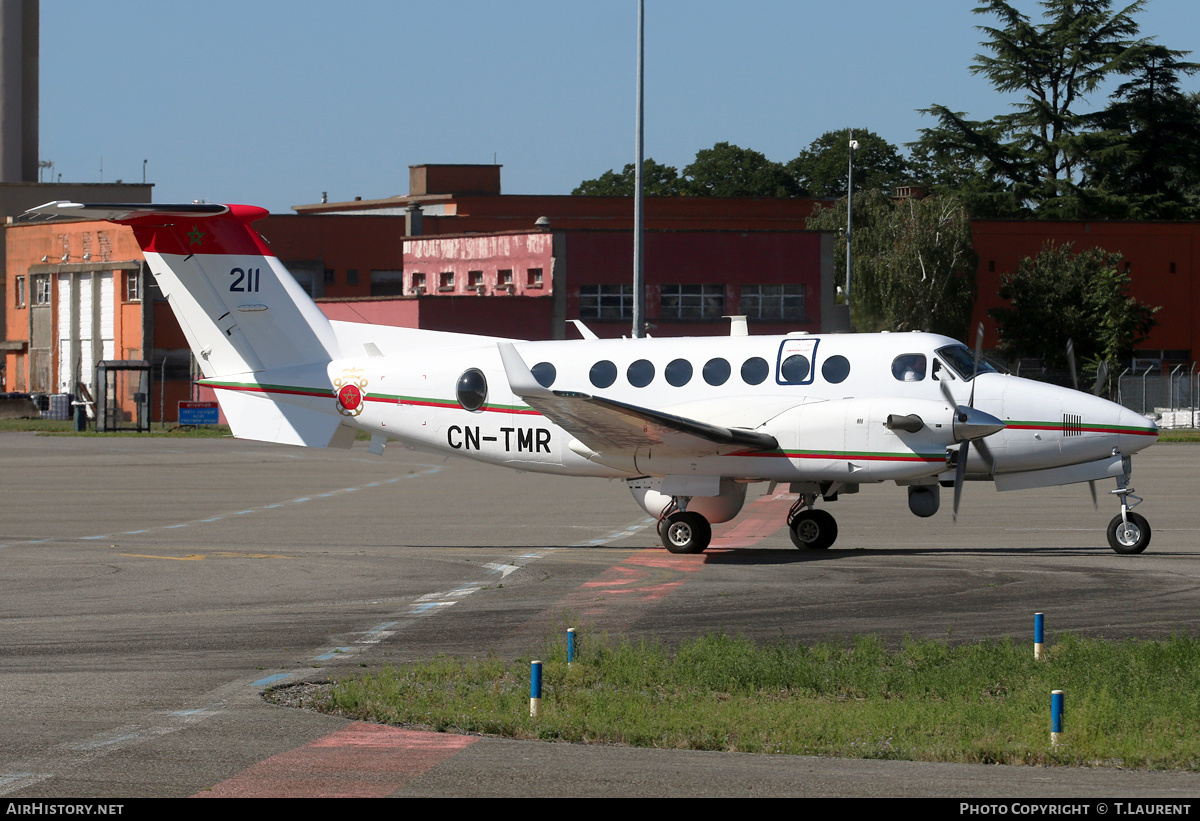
[1128,532]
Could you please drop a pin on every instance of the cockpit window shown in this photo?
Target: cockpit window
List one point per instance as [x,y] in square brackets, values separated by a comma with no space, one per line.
[909,367]
[962,361]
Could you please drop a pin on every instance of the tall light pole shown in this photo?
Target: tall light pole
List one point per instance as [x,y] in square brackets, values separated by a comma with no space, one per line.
[639,290]
[849,215]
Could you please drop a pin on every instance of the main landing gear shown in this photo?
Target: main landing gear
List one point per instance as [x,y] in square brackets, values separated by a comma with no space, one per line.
[685,531]
[810,527]
[1128,532]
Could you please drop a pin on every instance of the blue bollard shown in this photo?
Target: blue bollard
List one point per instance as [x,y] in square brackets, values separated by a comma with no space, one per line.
[1056,717]
[570,646]
[1039,635]
[535,689]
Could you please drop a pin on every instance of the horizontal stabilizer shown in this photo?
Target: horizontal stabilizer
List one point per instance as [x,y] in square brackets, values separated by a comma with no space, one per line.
[254,416]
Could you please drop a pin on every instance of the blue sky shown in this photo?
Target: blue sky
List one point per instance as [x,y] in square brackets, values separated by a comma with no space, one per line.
[272,103]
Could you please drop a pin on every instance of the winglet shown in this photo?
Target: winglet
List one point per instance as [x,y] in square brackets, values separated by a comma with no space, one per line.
[520,378]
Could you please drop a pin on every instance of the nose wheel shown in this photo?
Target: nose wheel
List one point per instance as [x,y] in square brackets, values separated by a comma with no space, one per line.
[1128,532]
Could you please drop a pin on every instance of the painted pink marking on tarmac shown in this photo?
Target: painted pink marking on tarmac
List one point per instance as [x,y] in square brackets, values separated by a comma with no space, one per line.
[619,595]
[767,515]
[359,761]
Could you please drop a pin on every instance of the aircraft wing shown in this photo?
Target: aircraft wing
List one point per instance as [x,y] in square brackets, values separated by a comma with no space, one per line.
[607,426]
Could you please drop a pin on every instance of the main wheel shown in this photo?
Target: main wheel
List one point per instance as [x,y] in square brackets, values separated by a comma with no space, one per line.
[1129,536]
[813,529]
[685,532]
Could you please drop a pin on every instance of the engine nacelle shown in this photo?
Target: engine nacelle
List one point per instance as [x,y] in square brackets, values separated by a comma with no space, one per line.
[647,492]
[923,500]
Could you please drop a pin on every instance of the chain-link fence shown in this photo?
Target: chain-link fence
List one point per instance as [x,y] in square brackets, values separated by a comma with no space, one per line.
[1173,396]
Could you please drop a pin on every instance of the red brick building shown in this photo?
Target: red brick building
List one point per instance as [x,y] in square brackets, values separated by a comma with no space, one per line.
[457,255]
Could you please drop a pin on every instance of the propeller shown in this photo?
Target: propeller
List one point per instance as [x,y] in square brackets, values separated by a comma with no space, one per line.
[1101,378]
[971,425]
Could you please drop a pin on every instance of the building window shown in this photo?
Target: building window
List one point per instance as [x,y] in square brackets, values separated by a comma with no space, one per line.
[20,293]
[533,277]
[41,289]
[418,283]
[692,302]
[474,279]
[606,302]
[133,291]
[329,277]
[351,276]
[504,278]
[387,283]
[446,281]
[774,303]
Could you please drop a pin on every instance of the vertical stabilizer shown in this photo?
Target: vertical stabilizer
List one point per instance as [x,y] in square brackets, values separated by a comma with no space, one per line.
[241,310]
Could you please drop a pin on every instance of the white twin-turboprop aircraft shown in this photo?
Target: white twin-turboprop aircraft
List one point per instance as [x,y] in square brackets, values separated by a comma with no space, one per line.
[687,423]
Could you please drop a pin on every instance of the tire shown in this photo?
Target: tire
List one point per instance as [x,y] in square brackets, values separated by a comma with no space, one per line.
[1129,538]
[813,530]
[685,532]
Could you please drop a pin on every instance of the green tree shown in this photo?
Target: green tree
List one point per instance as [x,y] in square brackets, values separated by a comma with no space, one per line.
[1145,158]
[657,181]
[725,170]
[913,263]
[1060,295]
[1037,151]
[821,168]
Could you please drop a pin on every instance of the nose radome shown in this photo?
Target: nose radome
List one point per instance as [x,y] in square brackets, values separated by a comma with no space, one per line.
[1137,431]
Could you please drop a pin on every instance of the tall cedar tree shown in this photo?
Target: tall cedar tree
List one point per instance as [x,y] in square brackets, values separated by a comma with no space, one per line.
[1036,153]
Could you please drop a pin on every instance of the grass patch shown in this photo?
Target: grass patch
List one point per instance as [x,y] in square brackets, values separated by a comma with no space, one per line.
[51,427]
[1179,435]
[1128,703]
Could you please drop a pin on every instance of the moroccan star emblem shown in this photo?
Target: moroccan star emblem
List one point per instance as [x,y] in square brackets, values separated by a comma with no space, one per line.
[195,236]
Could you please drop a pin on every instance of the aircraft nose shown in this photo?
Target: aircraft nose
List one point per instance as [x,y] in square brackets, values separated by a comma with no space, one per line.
[1136,431]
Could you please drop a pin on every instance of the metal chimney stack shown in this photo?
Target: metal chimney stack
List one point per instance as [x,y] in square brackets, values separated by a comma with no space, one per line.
[18,90]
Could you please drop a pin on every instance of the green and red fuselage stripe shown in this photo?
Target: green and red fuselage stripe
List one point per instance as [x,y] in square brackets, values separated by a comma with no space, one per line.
[1132,430]
[394,399]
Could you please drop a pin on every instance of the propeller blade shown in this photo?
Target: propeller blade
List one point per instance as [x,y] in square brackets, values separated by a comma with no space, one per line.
[1071,363]
[1101,378]
[978,356]
[960,472]
[986,453]
[946,393]
[1092,488]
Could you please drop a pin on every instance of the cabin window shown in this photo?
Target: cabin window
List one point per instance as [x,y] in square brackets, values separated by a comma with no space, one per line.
[909,367]
[544,373]
[794,369]
[679,372]
[755,370]
[716,371]
[835,369]
[640,373]
[472,389]
[603,374]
